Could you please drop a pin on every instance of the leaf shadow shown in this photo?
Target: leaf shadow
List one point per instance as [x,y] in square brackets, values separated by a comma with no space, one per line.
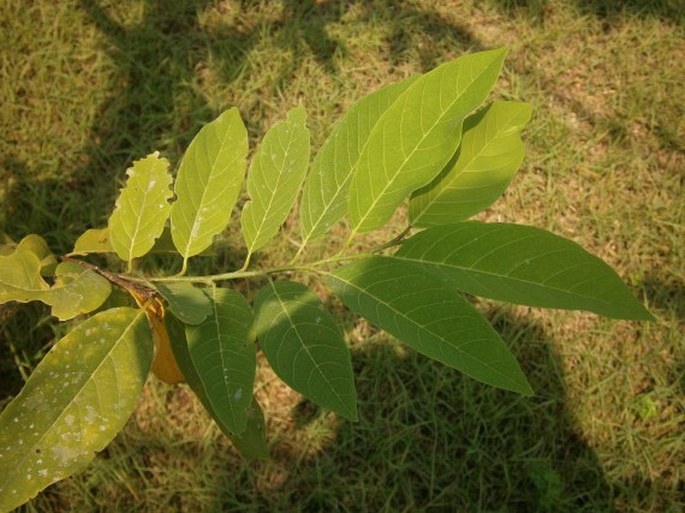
[430,439]
[607,10]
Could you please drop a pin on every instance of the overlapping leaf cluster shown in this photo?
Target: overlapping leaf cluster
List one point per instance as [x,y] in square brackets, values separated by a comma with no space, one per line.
[428,139]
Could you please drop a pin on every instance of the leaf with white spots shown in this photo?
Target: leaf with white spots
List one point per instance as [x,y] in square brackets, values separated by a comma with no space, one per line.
[142,208]
[208,183]
[276,174]
[77,290]
[222,352]
[303,345]
[74,403]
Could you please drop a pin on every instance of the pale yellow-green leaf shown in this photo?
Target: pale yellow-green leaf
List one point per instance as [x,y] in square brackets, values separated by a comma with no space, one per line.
[416,136]
[209,180]
[276,175]
[20,278]
[95,240]
[77,290]
[142,207]
[74,403]
[37,245]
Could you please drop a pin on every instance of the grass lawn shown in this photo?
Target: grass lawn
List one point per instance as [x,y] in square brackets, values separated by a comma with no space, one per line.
[88,86]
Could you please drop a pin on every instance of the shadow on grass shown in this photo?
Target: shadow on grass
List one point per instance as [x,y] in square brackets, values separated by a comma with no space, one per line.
[609,11]
[430,439]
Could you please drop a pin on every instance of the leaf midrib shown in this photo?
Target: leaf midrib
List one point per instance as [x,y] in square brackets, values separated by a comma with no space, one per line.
[79,391]
[398,172]
[471,270]
[306,349]
[423,327]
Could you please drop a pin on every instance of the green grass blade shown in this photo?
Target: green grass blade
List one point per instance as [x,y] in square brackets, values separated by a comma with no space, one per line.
[187,302]
[76,291]
[74,403]
[491,151]
[209,180]
[324,199]
[303,345]
[142,208]
[276,175]
[435,320]
[224,357]
[252,442]
[524,265]
[417,135]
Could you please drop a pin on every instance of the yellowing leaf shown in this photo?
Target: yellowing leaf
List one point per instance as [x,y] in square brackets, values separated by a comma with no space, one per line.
[20,278]
[37,245]
[73,404]
[77,290]
[164,365]
[142,207]
[95,240]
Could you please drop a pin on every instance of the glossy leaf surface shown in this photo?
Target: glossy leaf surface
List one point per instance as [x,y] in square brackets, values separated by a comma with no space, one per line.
[209,180]
[304,346]
[491,151]
[49,432]
[324,199]
[222,352]
[427,315]
[524,265]
[276,174]
[142,208]
[416,136]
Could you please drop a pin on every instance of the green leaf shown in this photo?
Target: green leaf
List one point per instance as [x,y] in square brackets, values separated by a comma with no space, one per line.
[74,403]
[77,290]
[522,264]
[276,175]
[142,208]
[95,240]
[324,199]
[208,183]
[20,278]
[304,346]
[224,356]
[190,304]
[491,151]
[416,136]
[432,318]
[36,244]
[252,442]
